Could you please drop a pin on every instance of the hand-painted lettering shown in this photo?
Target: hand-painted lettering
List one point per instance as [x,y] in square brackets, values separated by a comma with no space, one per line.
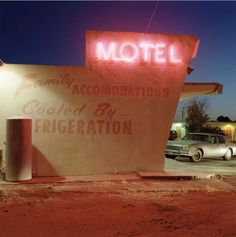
[35,107]
[105,109]
[82,127]
[33,81]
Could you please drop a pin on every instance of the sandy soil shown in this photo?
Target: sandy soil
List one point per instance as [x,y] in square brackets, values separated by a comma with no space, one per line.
[144,208]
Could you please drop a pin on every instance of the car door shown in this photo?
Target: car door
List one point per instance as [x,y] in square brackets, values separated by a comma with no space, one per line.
[211,147]
[222,146]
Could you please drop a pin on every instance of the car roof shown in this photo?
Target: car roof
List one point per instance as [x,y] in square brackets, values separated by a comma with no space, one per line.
[208,134]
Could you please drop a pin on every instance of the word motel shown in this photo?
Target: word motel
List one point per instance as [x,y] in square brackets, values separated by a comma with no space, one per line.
[157,53]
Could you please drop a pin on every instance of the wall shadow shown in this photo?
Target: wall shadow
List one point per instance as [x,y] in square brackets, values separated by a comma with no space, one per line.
[48,173]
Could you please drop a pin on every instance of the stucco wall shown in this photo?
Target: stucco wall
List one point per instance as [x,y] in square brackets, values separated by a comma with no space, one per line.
[103,119]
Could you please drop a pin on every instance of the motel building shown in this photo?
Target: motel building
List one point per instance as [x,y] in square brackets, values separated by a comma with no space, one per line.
[228,128]
[113,115]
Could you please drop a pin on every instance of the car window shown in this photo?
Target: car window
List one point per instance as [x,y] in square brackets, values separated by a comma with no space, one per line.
[212,140]
[221,139]
[196,137]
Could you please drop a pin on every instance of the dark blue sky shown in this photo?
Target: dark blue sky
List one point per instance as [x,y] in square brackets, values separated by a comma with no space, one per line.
[53,33]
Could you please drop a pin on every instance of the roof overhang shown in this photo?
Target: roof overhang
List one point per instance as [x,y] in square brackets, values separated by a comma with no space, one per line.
[196,89]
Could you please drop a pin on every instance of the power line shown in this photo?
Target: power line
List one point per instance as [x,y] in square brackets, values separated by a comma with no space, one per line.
[152,16]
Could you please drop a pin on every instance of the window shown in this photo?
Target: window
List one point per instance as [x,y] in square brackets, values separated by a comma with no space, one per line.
[212,140]
[221,139]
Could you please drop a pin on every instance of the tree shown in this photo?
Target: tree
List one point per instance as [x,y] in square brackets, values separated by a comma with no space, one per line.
[196,115]
[223,119]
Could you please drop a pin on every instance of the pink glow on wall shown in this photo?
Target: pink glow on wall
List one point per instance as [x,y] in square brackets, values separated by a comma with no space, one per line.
[146,51]
[129,52]
[172,57]
[104,54]
[160,53]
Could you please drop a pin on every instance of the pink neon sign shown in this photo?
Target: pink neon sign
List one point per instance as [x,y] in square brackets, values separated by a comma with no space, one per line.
[158,53]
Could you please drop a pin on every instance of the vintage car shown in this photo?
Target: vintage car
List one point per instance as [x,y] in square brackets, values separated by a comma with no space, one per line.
[201,145]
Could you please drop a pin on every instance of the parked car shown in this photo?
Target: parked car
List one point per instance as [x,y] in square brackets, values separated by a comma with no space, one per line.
[173,135]
[201,145]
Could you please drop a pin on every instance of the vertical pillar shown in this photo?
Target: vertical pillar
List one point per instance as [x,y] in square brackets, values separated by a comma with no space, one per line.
[18,149]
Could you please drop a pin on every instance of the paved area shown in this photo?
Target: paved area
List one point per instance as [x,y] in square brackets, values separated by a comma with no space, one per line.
[180,168]
[216,166]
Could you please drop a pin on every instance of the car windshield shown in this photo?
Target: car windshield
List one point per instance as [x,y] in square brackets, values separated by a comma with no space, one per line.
[196,137]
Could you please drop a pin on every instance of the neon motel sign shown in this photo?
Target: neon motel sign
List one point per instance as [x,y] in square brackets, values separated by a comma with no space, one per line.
[129,52]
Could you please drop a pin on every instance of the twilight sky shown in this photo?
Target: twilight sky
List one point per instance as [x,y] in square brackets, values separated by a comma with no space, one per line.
[53,33]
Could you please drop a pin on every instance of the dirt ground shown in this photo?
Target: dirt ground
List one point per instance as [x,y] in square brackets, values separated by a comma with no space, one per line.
[143,208]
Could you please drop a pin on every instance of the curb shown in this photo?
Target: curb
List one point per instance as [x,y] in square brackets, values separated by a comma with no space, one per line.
[173,175]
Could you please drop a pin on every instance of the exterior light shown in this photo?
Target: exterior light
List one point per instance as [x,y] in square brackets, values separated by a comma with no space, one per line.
[178,124]
[189,70]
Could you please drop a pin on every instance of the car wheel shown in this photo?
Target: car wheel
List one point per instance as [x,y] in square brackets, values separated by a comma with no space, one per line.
[228,155]
[197,156]
[171,156]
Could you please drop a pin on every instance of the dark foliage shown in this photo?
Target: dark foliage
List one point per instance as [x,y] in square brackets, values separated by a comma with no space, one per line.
[196,115]
[223,119]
